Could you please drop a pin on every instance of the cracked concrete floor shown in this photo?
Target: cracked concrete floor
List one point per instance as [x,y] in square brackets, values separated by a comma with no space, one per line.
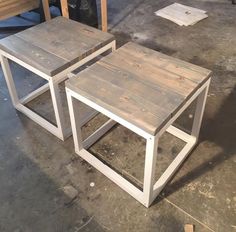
[35,166]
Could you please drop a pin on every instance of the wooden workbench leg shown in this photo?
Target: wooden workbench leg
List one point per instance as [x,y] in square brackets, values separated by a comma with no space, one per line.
[46,9]
[64,8]
[104,15]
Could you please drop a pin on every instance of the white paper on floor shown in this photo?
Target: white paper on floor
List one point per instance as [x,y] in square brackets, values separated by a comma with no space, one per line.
[181,14]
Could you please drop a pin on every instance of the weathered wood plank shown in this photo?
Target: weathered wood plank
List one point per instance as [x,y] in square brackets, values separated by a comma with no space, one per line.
[164,98]
[91,32]
[171,64]
[121,102]
[66,39]
[35,56]
[151,73]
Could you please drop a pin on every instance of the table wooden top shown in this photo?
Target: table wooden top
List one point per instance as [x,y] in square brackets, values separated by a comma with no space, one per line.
[140,85]
[55,45]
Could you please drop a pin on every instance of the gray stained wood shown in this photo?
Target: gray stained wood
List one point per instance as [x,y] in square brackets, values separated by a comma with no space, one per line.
[55,45]
[140,85]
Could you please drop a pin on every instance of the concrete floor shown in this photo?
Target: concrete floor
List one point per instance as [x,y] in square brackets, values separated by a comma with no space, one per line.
[38,172]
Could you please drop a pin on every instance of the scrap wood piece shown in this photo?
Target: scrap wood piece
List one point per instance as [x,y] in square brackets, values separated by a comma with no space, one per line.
[189,228]
[189,8]
[181,14]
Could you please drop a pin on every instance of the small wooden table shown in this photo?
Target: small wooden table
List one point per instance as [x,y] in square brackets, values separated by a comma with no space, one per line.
[145,91]
[51,50]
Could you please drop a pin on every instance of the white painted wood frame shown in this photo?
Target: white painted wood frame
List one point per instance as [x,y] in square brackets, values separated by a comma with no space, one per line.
[59,129]
[150,188]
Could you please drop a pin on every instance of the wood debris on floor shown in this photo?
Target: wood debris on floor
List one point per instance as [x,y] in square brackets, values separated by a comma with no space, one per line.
[181,14]
[189,228]
[70,191]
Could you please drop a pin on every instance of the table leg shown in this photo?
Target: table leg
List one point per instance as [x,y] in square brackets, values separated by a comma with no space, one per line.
[149,170]
[201,102]
[75,124]
[57,105]
[46,9]
[9,81]
[64,8]
[104,15]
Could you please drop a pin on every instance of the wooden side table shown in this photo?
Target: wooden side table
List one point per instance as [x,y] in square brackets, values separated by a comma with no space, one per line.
[145,91]
[52,50]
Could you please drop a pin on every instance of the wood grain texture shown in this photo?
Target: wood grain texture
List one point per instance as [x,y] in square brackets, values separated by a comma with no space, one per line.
[104,15]
[10,8]
[30,54]
[189,228]
[64,8]
[46,9]
[140,85]
[59,43]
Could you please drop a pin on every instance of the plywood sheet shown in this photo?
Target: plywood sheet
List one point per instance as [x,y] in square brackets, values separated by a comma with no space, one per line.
[181,14]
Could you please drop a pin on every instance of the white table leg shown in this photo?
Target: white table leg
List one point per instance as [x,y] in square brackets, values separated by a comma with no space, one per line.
[75,123]
[9,80]
[150,188]
[149,170]
[57,106]
[200,107]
